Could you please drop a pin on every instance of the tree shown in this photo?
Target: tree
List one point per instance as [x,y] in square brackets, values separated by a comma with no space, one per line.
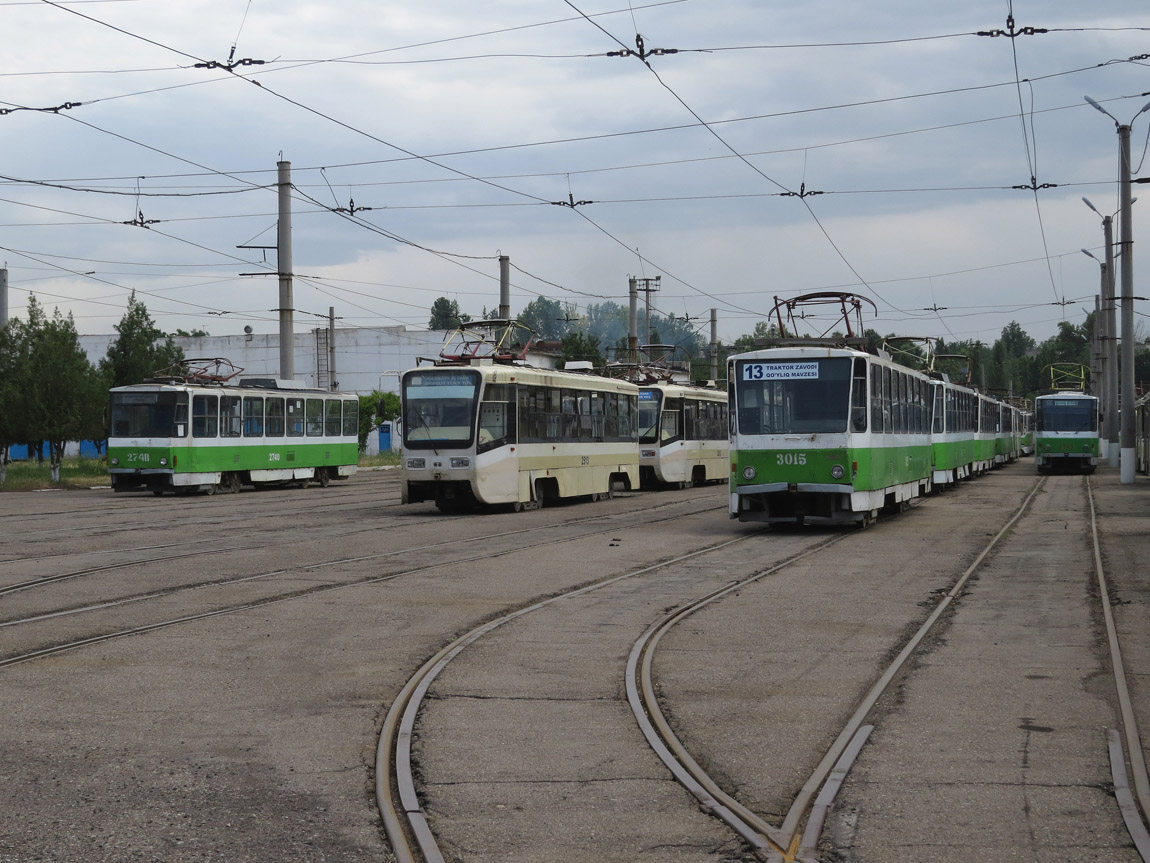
[13,388]
[373,410]
[549,319]
[445,315]
[140,350]
[581,346]
[61,385]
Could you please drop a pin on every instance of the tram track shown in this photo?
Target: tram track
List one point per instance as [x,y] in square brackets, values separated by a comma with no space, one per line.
[481,548]
[796,838]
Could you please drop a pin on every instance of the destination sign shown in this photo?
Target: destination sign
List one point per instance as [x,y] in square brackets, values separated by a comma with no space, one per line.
[780,371]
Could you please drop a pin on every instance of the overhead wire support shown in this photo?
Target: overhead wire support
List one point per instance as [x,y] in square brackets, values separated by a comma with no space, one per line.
[140,221]
[67,106]
[1011,32]
[1034,185]
[351,208]
[641,51]
[229,66]
[570,202]
[801,193]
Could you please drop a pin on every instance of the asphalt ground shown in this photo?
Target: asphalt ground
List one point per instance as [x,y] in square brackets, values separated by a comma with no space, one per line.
[250,736]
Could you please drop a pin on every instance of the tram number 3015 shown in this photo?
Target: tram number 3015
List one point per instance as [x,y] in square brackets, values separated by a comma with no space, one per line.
[791,458]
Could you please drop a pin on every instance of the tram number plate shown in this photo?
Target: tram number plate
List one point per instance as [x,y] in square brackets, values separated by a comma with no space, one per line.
[790,458]
[780,371]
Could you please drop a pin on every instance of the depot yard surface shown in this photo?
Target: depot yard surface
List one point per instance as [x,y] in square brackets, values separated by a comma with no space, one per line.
[250,735]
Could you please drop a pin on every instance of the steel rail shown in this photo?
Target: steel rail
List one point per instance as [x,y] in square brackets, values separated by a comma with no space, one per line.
[645,705]
[780,843]
[301,593]
[802,801]
[399,722]
[1126,709]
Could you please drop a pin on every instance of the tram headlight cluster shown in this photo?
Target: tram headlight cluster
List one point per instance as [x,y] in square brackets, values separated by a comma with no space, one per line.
[461,462]
[416,463]
[748,472]
[837,471]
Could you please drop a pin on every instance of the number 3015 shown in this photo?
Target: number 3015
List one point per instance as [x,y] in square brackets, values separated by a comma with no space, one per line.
[791,457]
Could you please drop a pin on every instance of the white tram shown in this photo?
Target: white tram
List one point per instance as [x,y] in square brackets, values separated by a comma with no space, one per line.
[683,438]
[478,431]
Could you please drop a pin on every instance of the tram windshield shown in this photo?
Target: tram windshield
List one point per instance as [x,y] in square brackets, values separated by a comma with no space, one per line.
[439,408]
[793,396]
[650,403]
[148,414]
[1067,415]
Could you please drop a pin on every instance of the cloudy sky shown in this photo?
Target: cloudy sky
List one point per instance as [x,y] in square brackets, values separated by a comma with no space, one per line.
[758,149]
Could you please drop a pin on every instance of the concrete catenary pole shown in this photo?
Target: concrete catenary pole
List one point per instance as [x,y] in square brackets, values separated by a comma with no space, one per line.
[1126,455]
[284,268]
[3,297]
[714,344]
[504,288]
[1110,422]
[331,348]
[633,321]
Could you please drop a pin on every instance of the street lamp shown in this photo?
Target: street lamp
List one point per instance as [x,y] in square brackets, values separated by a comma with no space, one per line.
[1126,460]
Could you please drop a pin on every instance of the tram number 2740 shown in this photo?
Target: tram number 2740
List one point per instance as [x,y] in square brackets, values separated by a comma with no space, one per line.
[791,458]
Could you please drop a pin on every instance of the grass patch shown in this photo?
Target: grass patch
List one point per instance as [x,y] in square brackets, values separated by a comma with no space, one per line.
[391,457]
[30,475]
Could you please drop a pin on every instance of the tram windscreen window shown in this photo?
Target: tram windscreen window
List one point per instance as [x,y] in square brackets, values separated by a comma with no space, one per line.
[1066,415]
[439,408]
[650,403]
[148,414]
[794,396]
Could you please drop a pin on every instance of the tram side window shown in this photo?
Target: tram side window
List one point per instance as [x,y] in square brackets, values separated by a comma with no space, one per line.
[351,418]
[497,415]
[275,418]
[253,416]
[295,420]
[313,417]
[598,407]
[231,423]
[628,411]
[332,418]
[937,414]
[876,399]
[859,397]
[205,416]
[670,428]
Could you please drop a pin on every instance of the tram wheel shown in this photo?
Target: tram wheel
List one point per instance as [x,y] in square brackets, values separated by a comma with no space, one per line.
[158,492]
[323,477]
[233,483]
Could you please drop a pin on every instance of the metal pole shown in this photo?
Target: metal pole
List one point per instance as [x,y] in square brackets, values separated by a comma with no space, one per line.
[1126,456]
[504,288]
[714,344]
[3,297]
[1110,424]
[633,321]
[331,348]
[284,267]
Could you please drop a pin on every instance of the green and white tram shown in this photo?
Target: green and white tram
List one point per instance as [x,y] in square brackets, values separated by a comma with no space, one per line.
[682,434]
[181,435]
[1066,435]
[827,435]
[954,419]
[484,432]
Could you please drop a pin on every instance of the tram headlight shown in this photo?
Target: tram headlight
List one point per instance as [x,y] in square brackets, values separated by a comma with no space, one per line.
[461,462]
[163,462]
[837,471]
[748,472]
[115,460]
[416,463]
